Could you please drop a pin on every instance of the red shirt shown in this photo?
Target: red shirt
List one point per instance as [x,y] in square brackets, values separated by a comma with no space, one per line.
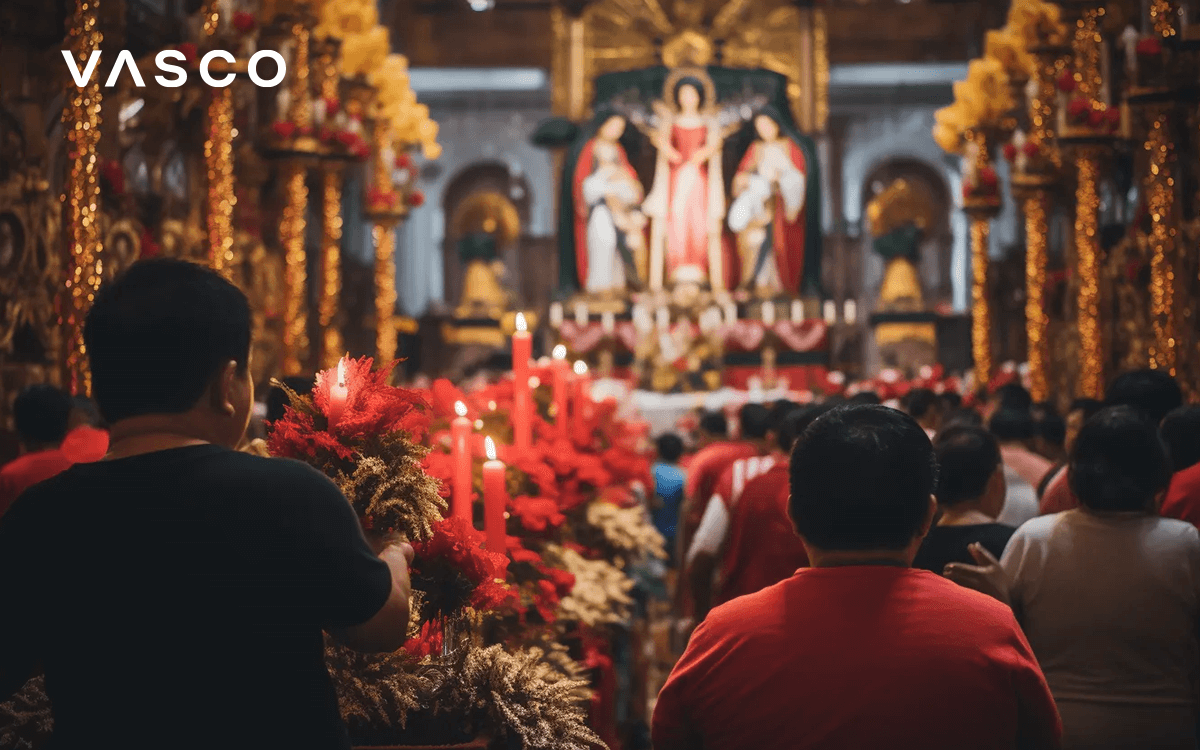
[1058,496]
[1183,496]
[30,469]
[857,657]
[763,548]
[704,472]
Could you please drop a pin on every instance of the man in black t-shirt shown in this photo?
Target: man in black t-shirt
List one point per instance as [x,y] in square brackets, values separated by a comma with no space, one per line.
[175,593]
[970,495]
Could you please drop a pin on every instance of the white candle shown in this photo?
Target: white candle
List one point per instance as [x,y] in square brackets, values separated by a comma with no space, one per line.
[608,322]
[283,102]
[768,313]
[319,113]
[797,311]
[663,317]
[556,314]
[850,312]
[1129,40]
[830,312]
[581,315]
[731,313]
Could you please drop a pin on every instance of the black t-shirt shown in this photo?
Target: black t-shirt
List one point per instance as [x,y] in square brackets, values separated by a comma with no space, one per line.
[176,600]
[947,544]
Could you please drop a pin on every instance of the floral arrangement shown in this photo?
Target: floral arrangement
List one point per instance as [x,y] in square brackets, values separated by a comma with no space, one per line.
[1037,23]
[979,102]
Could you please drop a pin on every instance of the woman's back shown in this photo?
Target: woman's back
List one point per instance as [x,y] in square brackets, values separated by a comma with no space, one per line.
[1109,604]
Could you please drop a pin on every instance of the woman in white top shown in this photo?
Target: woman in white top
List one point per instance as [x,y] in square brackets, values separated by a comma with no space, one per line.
[1107,595]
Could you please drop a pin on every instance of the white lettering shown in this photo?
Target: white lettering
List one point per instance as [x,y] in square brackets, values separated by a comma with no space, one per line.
[125,59]
[280,73]
[180,74]
[81,79]
[204,74]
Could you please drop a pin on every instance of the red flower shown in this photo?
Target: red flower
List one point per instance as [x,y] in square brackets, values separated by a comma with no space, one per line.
[327,135]
[284,129]
[332,105]
[403,161]
[112,173]
[416,198]
[545,599]
[428,643]
[444,395]
[150,248]
[520,554]
[348,137]
[454,570]
[440,466]
[305,131]
[189,52]
[244,22]
[372,406]
[1113,117]
[296,436]
[988,178]
[1149,47]
[385,199]
[1096,118]
[1066,82]
[1077,109]
[1010,151]
[563,581]
[1030,149]
[536,513]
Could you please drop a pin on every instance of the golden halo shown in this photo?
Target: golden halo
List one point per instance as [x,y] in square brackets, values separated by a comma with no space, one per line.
[488,212]
[700,74]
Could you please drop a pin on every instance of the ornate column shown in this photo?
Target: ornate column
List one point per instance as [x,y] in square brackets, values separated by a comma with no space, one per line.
[386,208]
[218,162]
[81,117]
[980,208]
[331,218]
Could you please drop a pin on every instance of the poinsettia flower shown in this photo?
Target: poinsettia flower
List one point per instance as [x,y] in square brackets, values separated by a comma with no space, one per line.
[546,599]
[1113,117]
[1030,149]
[562,580]
[536,513]
[443,396]
[520,554]
[454,570]
[1066,82]
[427,643]
[440,466]
[284,129]
[296,436]
[372,406]
[1077,109]
[1010,151]
[244,22]
[415,199]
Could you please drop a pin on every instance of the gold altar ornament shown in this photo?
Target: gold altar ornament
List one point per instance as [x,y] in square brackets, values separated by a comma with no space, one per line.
[1087,250]
[331,266]
[218,157]
[295,275]
[81,116]
[1163,239]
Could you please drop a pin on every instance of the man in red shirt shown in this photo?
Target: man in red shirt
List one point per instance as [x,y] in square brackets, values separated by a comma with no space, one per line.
[861,650]
[1152,392]
[41,413]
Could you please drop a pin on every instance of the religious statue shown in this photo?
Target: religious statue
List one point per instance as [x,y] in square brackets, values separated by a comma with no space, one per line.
[483,295]
[898,217]
[767,214]
[610,238]
[686,204]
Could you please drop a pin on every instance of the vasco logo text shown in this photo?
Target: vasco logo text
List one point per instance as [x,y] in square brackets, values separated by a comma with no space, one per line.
[177,74]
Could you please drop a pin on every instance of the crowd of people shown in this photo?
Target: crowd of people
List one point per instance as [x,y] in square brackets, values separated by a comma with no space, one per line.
[929,574]
[846,574]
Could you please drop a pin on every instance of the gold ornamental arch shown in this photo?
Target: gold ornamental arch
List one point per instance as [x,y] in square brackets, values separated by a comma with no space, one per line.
[609,36]
[489,212]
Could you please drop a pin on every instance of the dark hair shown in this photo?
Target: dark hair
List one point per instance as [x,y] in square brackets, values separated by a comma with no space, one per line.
[865,398]
[670,447]
[84,407]
[714,423]
[951,400]
[963,417]
[755,421]
[1152,392]
[920,401]
[1051,428]
[41,413]
[159,333]
[967,457]
[1012,424]
[695,83]
[1119,463]
[1089,407]
[861,477]
[798,420]
[277,398]
[1181,432]
[1013,396]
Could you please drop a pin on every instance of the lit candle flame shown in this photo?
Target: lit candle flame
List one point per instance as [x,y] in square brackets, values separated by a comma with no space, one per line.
[560,352]
[342,372]
[489,447]
[460,408]
[580,367]
[522,326]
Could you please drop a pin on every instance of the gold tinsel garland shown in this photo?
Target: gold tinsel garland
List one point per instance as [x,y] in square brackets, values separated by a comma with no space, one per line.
[601,592]
[1037,322]
[295,273]
[26,722]
[627,531]
[1087,251]
[218,157]
[1162,15]
[81,116]
[398,490]
[384,234]
[1163,239]
[981,311]
[331,267]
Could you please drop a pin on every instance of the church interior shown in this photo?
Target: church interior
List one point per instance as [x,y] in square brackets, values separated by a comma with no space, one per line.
[690,204]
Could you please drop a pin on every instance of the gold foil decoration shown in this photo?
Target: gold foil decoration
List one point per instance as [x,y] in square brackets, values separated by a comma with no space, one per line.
[1087,252]
[384,234]
[1037,322]
[295,273]
[218,157]
[1086,47]
[820,32]
[300,109]
[331,267]
[81,117]
[1162,17]
[981,311]
[1163,239]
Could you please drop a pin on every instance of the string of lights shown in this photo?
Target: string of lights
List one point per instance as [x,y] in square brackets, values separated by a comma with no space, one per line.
[384,234]
[981,312]
[1087,252]
[81,116]
[295,274]
[1086,47]
[218,157]
[1160,200]
[331,267]
[1037,322]
[1162,17]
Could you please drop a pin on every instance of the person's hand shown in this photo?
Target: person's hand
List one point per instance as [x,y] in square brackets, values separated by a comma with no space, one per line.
[398,557]
[987,577]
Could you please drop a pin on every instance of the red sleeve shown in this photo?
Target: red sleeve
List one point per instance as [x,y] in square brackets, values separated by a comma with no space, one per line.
[673,726]
[1038,724]
[1183,497]
[1058,496]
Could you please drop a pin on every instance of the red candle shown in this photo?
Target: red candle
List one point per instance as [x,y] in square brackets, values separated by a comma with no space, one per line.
[495,500]
[338,395]
[460,451]
[522,349]
[561,382]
